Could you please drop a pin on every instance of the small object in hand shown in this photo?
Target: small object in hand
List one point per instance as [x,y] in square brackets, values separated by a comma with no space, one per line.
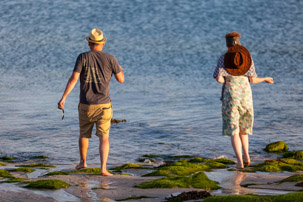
[62,114]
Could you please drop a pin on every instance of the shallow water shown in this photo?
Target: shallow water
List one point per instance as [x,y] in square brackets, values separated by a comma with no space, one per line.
[168,50]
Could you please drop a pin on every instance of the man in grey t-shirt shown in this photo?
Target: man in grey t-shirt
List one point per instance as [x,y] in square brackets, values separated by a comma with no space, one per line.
[95,69]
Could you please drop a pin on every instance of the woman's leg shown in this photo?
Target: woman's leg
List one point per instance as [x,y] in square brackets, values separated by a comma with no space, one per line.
[245,146]
[237,146]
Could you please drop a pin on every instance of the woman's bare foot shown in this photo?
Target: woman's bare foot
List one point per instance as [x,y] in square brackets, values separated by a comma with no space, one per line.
[106,173]
[240,166]
[246,161]
[80,166]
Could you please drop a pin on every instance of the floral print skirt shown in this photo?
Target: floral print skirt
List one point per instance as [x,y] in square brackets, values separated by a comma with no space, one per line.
[237,106]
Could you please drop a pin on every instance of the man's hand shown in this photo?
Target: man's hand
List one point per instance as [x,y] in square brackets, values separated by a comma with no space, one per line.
[61,103]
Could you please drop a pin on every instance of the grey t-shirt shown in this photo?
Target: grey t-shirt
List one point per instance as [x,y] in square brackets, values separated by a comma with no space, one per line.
[96,69]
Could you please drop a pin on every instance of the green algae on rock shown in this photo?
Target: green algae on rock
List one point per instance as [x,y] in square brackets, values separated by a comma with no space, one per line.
[47,184]
[128,166]
[279,165]
[56,173]
[293,178]
[7,158]
[87,170]
[294,154]
[22,169]
[208,160]
[216,165]
[279,146]
[295,196]
[198,180]
[15,180]
[38,165]
[225,161]
[180,168]
[5,174]
[40,157]
[151,155]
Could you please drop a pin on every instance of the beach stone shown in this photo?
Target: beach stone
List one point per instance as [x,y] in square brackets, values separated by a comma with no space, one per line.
[279,146]
[191,195]
[294,155]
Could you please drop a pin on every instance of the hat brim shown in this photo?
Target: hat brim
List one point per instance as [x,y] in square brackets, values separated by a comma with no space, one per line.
[96,42]
[245,60]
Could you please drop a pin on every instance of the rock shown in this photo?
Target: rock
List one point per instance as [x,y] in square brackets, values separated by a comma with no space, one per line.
[192,195]
[279,146]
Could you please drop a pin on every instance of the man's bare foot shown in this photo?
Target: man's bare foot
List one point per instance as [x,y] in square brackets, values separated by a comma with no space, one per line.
[106,173]
[80,166]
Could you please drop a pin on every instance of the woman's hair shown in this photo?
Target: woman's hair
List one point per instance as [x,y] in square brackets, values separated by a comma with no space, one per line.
[233,35]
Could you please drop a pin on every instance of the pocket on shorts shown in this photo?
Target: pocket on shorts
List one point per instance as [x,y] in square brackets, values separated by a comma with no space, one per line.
[107,114]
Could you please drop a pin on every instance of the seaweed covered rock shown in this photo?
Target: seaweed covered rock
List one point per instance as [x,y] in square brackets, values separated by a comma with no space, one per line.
[279,146]
[198,180]
[279,165]
[7,158]
[22,169]
[293,178]
[15,180]
[87,170]
[56,173]
[47,184]
[294,154]
[5,174]
[38,165]
[191,195]
[295,196]
[180,168]
[128,166]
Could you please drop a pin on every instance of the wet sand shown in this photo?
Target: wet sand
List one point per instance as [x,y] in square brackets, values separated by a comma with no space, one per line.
[90,187]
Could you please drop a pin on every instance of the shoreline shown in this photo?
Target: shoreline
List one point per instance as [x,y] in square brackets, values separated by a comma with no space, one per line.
[99,188]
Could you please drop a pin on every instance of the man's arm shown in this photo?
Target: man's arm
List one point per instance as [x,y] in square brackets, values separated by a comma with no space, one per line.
[69,87]
[120,76]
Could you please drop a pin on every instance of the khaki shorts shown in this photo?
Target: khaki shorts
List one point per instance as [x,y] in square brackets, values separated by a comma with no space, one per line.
[101,114]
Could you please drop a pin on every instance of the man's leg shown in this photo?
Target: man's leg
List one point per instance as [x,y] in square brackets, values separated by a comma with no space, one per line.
[245,146]
[83,147]
[237,146]
[104,151]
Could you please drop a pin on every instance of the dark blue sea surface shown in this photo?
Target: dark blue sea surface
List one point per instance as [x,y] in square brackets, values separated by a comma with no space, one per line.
[169,50]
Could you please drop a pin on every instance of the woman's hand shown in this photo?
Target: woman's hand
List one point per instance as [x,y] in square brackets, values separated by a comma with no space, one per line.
[269,80]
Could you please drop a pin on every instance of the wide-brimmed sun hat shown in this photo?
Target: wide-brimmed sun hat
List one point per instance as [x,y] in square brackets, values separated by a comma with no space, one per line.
[237,60]
[96,36]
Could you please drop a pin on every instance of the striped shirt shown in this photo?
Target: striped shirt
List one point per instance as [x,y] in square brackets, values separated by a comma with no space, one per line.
[221,71]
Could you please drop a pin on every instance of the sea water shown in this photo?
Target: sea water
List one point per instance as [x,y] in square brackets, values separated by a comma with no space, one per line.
[168,50]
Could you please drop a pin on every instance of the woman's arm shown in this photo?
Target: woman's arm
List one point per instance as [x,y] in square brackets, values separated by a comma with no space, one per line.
[220,79]
[256,80]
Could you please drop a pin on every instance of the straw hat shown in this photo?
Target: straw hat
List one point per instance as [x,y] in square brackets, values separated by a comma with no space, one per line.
[237,60]
[96,36]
